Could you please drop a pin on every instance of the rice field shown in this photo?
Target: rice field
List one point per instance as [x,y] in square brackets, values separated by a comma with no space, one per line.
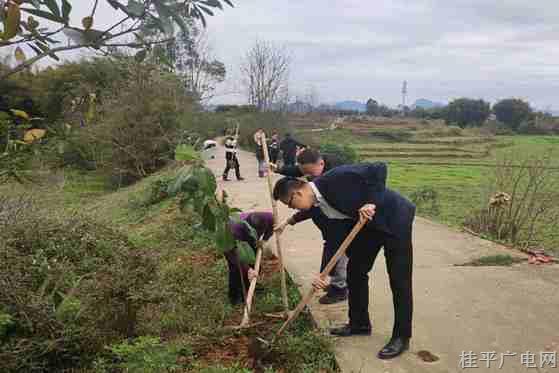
[458,165]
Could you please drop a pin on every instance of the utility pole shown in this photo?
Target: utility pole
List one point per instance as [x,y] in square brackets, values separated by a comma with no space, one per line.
[404,93]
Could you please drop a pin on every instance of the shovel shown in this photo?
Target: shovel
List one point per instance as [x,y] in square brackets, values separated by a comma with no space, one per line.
[261,347]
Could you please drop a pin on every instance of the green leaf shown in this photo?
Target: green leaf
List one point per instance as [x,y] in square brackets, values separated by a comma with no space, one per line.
[206,179]
[135,8]
[54,57]
[246,253]
[208,218]
[42,46]
[35,3]
[212,3]
[223,237]
[51,4]
[115,4]
[13,19]
[196,13]
[164,20]
[180,21]
[185,152]
[66,9]
[140,56]
[206,10]
[35,49]
[43,14]
[183,183]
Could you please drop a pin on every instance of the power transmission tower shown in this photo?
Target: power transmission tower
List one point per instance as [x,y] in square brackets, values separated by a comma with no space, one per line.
[404,93]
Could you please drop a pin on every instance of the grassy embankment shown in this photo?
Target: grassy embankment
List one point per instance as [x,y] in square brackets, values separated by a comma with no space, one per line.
[192,279]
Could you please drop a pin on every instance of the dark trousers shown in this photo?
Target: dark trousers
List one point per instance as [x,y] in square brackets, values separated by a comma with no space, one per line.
[274,156]
[399,261]
[333,235]
[231,161]
[235,292]
[288,159]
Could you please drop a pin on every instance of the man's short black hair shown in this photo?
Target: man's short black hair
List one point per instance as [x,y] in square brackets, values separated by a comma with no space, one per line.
[308,156]
[285,186]
[256,222]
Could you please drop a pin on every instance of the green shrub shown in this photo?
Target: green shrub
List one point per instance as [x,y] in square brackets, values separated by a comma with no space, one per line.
[146,355]
[135,134]
[345,153]
[427,200]
[70,286]
[6,324]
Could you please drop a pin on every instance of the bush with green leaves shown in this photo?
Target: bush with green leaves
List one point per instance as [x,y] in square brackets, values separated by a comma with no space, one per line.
[196,186]
[426,199]
[145,354]
[136,135]
[15,154]
[344,152]
[56,272]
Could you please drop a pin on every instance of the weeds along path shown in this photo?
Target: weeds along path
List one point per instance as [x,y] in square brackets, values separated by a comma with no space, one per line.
[457,308]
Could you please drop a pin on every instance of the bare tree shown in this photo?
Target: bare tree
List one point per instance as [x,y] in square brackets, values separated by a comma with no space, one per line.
[201,71]
[265,71]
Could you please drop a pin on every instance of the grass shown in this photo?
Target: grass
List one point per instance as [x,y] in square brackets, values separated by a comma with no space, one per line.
[457,164]
[192,283]
[493,261]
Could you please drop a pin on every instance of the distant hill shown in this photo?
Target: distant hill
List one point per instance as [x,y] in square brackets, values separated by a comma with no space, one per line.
[351,105]
[426,104]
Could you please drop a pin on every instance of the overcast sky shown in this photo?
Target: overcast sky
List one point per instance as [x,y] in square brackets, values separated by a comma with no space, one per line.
[355,49]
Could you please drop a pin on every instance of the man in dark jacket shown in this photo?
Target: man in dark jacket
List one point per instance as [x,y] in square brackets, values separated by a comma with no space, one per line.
[359,192]
[312,164]
[289,148]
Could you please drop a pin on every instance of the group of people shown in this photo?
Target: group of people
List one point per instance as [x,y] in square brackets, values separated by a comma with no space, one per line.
[336,197]
[288,147]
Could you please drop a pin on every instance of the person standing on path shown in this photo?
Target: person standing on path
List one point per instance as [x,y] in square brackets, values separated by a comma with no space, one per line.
[262,168]
[313,164]
[239,273]
[231,159]
[359,192]
[289,148]
[273,148]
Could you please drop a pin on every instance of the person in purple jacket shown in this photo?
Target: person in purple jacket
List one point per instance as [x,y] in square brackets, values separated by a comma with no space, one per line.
[263,225]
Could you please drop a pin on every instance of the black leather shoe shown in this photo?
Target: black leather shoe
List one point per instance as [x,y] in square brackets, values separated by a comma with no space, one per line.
[333,296]
[346,331]
[394,348]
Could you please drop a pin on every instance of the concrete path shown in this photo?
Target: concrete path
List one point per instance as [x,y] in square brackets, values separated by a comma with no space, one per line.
[457,309]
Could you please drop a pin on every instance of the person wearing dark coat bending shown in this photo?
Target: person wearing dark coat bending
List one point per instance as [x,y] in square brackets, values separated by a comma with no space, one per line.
[311,163]
[359,192]
[263,224]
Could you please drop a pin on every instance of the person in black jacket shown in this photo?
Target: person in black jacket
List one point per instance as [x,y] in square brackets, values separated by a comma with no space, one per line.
[312,164]
[273,148]
[360,192]
[289,146]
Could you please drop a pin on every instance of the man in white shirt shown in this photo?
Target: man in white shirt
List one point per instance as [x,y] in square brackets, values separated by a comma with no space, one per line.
[231,158]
